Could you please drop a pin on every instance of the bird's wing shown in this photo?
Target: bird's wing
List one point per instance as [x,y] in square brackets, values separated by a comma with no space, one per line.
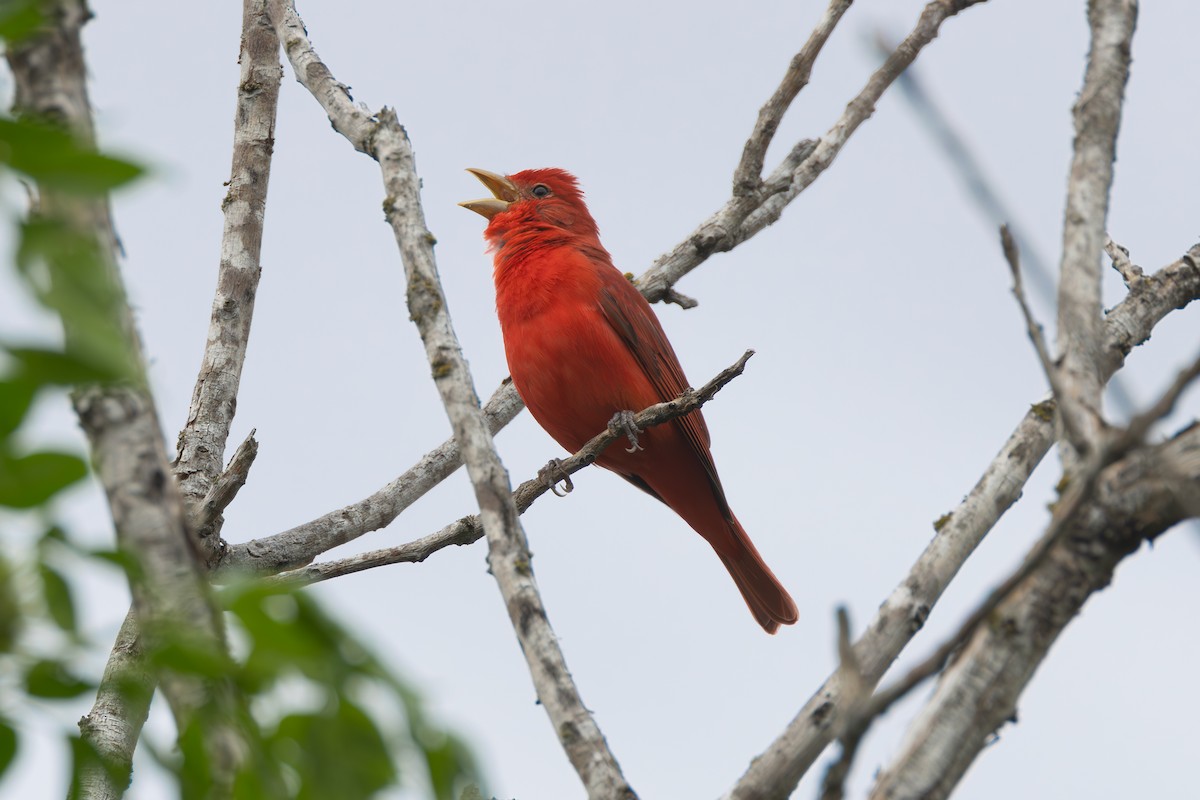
[636,325]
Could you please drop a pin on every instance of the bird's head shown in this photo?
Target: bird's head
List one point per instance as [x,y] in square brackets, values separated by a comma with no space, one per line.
[535,199]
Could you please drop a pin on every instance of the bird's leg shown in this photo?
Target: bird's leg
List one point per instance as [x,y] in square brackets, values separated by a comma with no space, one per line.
[622,423]
[552,473]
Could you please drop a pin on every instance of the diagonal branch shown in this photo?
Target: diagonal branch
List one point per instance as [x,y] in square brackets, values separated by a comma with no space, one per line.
[747,213]
[748,176]
[469,529]
[777,771]
[383,138]
[1134,500]
[300,545]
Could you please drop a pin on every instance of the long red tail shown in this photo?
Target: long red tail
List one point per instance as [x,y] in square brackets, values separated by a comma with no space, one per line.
[769,602]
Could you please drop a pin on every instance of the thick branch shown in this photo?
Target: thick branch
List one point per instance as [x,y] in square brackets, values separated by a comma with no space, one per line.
[383,139]
[1135,500]
[170,596]
[201,446]
[1097,119]
[469,529]
[777,771]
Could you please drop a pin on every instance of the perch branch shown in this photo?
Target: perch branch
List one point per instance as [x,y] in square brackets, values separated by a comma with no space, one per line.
[469,529]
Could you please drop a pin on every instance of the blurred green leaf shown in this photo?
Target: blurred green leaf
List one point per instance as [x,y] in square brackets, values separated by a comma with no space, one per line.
[337,753]
[19,18]
[84,758]
[59,601]
[195,770]
[52,680]
[182,652]
[42,367]
[8,744]
[16,396]
[10,608]
[52,157]
[67,272]
[28,481]
[287,634]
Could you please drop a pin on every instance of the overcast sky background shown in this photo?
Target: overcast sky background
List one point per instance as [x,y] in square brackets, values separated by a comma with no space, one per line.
[892,360]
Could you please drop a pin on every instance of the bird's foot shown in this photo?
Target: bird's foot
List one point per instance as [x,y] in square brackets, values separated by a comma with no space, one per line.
[622,423]
[552,474]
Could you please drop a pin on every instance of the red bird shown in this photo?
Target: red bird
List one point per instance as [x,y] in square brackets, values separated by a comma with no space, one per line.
[583,345]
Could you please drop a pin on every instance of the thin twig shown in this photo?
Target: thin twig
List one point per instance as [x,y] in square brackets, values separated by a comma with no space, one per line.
[226,488]
[1130,272]
[1036,335]
[748,175]
[468,529]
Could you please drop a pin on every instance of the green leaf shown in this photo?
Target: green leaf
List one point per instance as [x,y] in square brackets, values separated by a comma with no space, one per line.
[29,481]
[337,753]
[51,367]
[182,652]
[85,758]
[10,608]
[16,396]
[59,601]
[8,744]
[19,18]
[52,157]
[69,275]
[52,680]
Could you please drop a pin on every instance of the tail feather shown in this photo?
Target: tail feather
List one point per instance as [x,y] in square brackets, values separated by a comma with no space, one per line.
[769,602]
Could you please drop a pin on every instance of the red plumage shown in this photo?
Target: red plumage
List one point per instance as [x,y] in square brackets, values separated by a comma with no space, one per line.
[583,344]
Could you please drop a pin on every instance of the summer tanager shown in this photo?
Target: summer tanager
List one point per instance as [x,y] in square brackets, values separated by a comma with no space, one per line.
[583,346]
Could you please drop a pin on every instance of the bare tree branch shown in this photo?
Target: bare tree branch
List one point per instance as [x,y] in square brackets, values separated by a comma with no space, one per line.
[382,137]
[228,484]
[1130,272]
[748,176]
[779,768]
[748,212]
[979,690]
[202,441]
[1097,119]
[1012,255]
[170,595]
[115,722]
[469,529]
[300,545]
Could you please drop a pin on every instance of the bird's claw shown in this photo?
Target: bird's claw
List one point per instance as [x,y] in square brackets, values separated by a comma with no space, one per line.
[622,424]
[552,474]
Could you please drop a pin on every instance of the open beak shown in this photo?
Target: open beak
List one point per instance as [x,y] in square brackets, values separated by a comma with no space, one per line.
[503,190]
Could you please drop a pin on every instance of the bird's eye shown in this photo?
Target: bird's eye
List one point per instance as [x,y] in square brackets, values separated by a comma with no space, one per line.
[541,190]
